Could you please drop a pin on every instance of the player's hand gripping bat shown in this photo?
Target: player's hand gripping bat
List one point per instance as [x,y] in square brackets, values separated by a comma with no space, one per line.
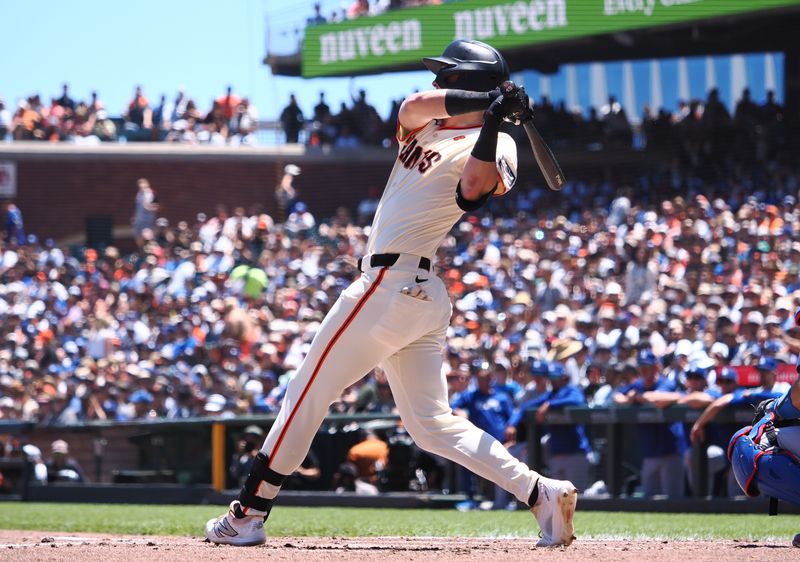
[541,152]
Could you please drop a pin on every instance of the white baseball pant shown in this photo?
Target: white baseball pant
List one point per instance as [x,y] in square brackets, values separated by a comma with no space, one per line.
[374,323]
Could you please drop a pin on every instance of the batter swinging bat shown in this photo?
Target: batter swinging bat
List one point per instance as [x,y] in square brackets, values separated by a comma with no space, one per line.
[544,156]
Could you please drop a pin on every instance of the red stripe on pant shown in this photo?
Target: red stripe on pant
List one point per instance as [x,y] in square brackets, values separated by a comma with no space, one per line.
[322,358]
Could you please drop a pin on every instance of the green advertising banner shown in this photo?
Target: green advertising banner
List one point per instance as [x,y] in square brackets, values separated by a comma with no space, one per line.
[371,44]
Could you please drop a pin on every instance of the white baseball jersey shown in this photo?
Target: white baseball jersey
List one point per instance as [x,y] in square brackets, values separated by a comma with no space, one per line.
[418,207]
[397,317]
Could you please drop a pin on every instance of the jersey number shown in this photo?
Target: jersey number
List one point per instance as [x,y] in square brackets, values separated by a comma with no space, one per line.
[414,155]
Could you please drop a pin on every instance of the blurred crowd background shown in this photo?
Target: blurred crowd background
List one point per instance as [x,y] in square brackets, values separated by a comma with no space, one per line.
[622,283]
[757,130]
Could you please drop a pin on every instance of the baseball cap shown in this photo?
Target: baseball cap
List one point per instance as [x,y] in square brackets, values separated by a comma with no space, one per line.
[647,357]
[766,364]
[720,348]
[684,347]
[696,370]
[727,374]
[556,370]
[141,397]
[291,169]
[755,317]
[539,367]
[215,403]
[59,447]
[253,430]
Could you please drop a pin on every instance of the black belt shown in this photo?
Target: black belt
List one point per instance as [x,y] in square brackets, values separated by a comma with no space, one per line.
[388,260]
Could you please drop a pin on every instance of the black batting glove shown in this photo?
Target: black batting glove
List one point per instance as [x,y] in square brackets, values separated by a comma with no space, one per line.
[516,103]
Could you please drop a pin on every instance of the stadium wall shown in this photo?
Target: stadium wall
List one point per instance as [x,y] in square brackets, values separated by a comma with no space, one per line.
[59,186]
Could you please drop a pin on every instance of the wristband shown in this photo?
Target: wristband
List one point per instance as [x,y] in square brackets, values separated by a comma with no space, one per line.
[485,148]
[459,102]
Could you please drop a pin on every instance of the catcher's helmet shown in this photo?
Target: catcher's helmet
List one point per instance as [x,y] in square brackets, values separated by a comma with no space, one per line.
[468,65]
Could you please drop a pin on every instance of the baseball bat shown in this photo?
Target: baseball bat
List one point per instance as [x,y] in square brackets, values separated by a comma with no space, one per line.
[544,157]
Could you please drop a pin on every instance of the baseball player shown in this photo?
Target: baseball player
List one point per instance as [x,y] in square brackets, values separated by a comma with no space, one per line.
[661,444]
[451,159]
[764,456]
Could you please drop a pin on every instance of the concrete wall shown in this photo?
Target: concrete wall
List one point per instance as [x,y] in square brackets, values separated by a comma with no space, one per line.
[59,186]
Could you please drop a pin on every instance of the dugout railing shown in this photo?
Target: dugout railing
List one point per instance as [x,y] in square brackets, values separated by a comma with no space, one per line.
[197,452]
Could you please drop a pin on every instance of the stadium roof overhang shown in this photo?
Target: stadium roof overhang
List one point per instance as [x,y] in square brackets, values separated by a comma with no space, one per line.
[551,33]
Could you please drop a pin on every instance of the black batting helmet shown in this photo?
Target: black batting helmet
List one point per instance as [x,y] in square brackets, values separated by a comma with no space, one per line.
[468,65]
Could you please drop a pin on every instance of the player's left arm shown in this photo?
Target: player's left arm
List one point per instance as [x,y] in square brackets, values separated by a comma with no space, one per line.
[482,176]
[420,108]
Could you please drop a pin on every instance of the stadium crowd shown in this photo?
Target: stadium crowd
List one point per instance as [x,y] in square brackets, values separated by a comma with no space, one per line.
[187,327]
[672,272]
[691,131]
[360,8]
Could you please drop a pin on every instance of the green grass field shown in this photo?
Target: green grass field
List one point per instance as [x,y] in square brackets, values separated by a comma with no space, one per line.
[351,522]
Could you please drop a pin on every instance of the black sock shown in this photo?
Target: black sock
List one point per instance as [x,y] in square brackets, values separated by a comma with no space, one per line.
[534,495]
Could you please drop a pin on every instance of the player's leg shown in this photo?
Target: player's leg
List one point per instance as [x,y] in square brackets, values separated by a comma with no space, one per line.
[672,479]
[342,352]
[575,468]
[420,392]
[649,477]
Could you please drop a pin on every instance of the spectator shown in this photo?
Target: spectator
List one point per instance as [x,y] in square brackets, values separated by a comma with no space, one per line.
[65,101]
[144,215]
[14,231]
[61,467]
[5,120]
[317,18]
[243,124]
[368,206]
[161,117]
[375,396]
[285,193]
[228,103]
[246,450]
[369,457]
[139,114]
[104,128]
[292,120]
[357,9]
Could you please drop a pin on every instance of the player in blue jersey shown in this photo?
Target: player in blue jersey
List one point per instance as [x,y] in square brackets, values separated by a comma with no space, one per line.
[661,444]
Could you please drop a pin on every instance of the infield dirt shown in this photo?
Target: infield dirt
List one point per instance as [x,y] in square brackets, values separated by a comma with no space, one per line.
[84,547]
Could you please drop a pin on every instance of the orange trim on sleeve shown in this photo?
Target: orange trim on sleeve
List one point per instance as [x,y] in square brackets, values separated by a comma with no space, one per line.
[500,182]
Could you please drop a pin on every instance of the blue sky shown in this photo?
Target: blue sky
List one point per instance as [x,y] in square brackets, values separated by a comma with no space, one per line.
[200,45]
[205,45]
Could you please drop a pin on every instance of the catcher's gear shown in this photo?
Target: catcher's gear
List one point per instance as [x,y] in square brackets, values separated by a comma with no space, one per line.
[468,65]
[761,466]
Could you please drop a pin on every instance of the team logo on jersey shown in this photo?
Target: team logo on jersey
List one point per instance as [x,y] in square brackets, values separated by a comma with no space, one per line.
[415,155]
[507,172]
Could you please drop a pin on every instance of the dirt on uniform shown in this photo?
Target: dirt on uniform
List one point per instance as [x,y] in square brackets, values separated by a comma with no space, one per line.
[85,547]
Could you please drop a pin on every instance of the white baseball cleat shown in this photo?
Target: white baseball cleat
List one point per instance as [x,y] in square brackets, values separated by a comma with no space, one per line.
[554,510]
[236,528]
